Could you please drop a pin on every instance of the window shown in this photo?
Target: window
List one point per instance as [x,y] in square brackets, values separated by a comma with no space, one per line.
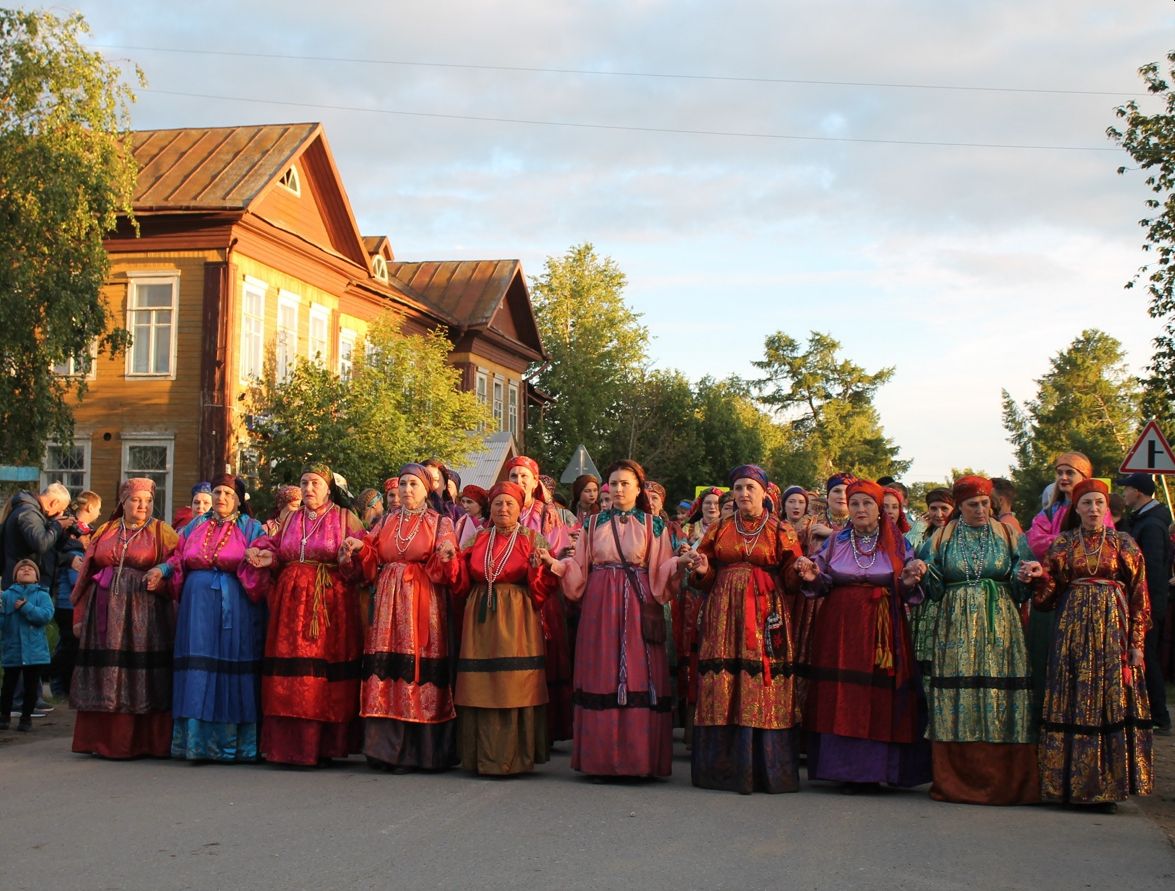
[482,394]
[291,181]
[379,268]
[512,409]
[152,457]
[151,314]
[498,404]
[286,346]
[75,367]
[68,466]
[252,329]
[248,463]
[317,345]
[347,339]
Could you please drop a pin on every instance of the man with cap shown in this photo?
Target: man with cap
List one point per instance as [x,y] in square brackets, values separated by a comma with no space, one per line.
[1148,524]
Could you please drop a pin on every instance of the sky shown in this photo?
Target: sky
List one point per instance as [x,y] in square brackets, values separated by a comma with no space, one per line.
[928,182]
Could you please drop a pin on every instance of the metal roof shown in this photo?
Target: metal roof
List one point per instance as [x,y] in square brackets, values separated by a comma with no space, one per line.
[469,290]
[213,168]
[484,467]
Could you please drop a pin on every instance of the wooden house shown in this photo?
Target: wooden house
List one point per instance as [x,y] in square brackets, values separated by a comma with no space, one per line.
[247,242]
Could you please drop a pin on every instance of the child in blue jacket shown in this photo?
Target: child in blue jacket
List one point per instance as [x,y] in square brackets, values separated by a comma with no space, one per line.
[25,610]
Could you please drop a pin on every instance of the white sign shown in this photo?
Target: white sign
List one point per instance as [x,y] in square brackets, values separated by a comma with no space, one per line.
[1151,454]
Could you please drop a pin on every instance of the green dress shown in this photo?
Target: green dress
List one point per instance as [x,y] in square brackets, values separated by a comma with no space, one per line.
[980,683]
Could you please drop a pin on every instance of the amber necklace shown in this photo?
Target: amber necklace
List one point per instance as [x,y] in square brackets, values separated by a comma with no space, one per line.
[225,524]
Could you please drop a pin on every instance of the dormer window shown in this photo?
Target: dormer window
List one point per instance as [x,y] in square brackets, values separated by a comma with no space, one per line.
[379,268]
[290,180]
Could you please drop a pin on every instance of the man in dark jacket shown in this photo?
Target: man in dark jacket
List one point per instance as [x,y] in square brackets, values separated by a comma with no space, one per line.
[1148,525]
[34,526]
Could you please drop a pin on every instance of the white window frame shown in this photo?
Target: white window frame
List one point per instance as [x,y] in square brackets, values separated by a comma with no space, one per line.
[69,368]
[318,343]
[481,387]
[286,300]
[291,181]
[379,268]
[166,440]
[499,402]
[252,341]
[50,475]
[136,280]
[346,364]
[512,408]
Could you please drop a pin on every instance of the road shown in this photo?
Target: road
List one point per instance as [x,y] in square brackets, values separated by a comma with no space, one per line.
[71,821]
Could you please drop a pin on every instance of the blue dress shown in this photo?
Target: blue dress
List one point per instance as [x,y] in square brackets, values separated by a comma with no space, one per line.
[219,643]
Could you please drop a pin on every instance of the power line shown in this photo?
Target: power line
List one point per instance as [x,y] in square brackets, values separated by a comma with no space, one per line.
[631,128]
[601,73]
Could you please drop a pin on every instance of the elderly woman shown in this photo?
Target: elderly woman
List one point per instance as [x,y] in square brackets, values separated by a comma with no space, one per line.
[220,633]
[865,710]
[622,569]
[981,732]
[540,515]
[501,682]
[744,727]
[407,695]
[287,501]
[310,676]
[1096,738]
[126,630]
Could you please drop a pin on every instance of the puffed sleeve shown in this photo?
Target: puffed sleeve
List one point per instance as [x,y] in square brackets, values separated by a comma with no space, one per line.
[789,551]
[439,571]
[540,581]
[822,584]
[664,574]
[574,569]
[254,582]
[1057,575]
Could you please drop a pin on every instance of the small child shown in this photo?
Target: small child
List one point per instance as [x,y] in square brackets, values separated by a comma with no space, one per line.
[25,610]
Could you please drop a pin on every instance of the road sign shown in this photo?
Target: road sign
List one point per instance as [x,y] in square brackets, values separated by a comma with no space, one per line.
[1150,454]
[580,464]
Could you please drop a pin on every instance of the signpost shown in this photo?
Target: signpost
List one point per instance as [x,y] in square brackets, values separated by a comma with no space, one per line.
[1151,453]
[580,463]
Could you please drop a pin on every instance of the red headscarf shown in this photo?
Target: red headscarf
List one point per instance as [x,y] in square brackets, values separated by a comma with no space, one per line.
[540,491]
[1089,485]
[970,487]
[888,539]
[390,483]
[478,494]
[506,488]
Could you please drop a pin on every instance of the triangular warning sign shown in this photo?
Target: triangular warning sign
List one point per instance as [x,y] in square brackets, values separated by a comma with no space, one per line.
[1151,454]
[580,464]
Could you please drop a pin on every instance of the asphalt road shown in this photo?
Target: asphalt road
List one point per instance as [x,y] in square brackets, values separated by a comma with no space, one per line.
[71,821]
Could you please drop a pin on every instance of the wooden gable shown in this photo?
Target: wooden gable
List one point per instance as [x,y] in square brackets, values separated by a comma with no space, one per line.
[318,210]
[514,316]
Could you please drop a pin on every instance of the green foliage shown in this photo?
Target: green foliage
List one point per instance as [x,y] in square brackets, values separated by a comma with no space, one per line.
[402,403]
[1150,140]
[1086,402]
[597,348]
[66,176]
[825,405]
[655,429]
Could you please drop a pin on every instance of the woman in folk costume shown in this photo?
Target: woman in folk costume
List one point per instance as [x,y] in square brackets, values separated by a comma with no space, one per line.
[310,677]
[813,531]
[585,497]
[1096,737]
[981,731]
[744,727]
[476,516]
[220,632]
[795,504]
[126,631]
[623,568]
[940,505]
[501,691]
[540,515]
[865,712]
[407,694]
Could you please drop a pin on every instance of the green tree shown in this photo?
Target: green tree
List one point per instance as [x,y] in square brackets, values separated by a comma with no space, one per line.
[597,348]
[1086,402]
[825,405]
[731,428]
[655,428]
[1150,140]
[66,176]
[402,403]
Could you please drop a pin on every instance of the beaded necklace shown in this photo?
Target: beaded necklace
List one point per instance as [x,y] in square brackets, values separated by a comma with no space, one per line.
[494,573]
[307,533]
[750,539]
[403,542]
[974,546]
[859,552]
[226,524]
[125,541]
[1086,553]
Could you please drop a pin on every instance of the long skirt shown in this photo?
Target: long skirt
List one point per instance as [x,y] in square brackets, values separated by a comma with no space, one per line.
[981,728]
[742,738]
[216,688]
[923,619]
[1096,738]
[310,674]
[122,681]
[623,703]
[687,608]
[866,724]
[805,617]
[558,668]
[407,694]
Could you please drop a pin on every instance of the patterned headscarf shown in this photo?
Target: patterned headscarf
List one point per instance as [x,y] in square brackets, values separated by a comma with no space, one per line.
[749,472]
[319,468]
[506,488]
[540,492]
[1077,461]
[286,495]
[137,484]
[789,492]
[418,471]
[1086,486]
[838,479]
[202,487]
[478,494]
[695,512]
[970,487]
[390,483]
